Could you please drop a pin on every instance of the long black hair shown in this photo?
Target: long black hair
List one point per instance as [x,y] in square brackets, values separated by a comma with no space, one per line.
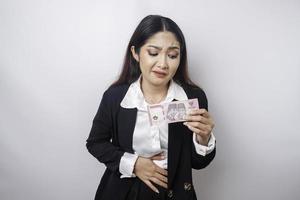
[149,26]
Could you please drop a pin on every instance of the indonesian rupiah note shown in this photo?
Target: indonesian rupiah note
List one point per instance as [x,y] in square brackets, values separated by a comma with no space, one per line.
[172,112]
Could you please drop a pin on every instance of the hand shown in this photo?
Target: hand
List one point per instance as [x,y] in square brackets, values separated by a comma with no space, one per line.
[200,122]
[149,172]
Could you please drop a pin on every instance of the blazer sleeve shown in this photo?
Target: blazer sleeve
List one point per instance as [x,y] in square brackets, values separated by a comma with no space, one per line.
[200,161]
[99,142]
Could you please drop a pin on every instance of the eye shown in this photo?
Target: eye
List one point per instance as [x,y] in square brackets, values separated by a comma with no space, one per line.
[173,56]
[152,54]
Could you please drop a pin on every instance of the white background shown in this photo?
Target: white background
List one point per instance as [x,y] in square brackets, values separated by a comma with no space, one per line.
[57,58]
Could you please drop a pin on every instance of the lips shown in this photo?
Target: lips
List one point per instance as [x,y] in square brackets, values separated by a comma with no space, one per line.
[160,73]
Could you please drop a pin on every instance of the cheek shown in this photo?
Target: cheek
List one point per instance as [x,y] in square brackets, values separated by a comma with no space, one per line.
[174,68]
[174,64]
[146,62]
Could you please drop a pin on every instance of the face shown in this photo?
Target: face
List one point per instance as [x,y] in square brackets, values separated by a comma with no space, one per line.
[159,58]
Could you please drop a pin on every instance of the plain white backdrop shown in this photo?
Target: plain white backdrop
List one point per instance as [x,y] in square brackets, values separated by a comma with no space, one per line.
[57,58]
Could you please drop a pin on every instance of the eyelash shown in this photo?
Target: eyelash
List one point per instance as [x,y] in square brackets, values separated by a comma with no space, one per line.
[172,57]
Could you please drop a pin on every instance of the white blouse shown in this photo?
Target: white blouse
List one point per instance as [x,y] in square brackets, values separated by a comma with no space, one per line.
[150,140]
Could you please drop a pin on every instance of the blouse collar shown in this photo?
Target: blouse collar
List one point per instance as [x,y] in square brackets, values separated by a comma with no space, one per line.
[134,97]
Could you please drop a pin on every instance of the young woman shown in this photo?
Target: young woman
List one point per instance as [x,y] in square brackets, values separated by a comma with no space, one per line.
[147,161]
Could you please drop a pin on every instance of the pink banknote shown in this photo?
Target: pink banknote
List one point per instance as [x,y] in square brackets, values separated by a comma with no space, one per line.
[171,112]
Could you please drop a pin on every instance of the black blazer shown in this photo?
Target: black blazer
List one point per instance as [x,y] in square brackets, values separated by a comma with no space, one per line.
[111,135]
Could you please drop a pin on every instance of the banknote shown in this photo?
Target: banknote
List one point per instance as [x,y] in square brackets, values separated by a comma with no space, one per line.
[172,112]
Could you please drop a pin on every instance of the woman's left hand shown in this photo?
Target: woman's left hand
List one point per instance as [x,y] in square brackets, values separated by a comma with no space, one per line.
[200,122]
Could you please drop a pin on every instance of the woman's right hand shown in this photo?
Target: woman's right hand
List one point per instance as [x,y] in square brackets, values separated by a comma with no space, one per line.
[149,172]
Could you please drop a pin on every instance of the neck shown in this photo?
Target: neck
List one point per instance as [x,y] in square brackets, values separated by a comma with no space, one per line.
[152,93]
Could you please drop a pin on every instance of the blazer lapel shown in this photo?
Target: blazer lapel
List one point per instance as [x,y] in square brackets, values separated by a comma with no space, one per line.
[126,123]
[175,138]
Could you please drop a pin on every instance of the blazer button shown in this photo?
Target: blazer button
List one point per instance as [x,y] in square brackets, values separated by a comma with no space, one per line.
[187,186]
[170,193]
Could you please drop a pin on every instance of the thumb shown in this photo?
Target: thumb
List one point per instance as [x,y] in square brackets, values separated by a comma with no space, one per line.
[159,156]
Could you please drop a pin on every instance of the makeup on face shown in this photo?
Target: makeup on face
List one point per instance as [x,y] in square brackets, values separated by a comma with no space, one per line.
[159,58]
[153,50]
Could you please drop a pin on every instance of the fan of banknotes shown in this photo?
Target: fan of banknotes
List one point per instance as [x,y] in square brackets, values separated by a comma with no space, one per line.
[172,112]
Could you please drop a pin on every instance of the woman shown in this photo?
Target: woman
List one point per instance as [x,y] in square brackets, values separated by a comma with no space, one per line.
[147,161]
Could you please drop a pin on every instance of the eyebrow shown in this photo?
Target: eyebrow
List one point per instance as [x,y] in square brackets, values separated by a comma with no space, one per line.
[171,47]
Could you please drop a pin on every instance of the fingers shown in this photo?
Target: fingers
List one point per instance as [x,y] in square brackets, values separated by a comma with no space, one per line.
[159,156]
[161,177]
[151,173]
[201,132]
[159,182]
[198,118]
[202,128]
[151,186]
[158,179]
[161,170]
[201,111]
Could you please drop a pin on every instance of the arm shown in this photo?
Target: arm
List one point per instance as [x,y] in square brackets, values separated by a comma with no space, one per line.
[204,149]
[202,155]
[99,141]
[199,161]
[127,163]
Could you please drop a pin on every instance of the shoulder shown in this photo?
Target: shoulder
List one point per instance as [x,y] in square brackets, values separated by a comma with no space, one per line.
[193,91]
[117,90]
[196,92]
[115,93]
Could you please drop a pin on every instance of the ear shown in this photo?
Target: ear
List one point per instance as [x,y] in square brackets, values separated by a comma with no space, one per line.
[134,54]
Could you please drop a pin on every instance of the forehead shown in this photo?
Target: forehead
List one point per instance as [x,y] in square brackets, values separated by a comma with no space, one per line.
[163,39]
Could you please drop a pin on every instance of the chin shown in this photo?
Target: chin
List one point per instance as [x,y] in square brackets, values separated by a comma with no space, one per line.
[160,81]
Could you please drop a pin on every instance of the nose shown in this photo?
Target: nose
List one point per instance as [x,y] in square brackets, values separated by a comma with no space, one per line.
[163,62]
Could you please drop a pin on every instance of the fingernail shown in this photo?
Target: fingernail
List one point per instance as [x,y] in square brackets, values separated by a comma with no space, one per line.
[157,191]
[185,123]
